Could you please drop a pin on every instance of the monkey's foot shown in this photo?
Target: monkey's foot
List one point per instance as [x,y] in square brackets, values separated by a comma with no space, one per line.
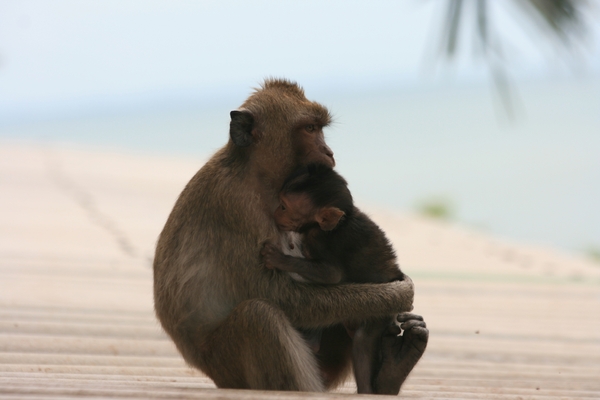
[399,354]
[415,333]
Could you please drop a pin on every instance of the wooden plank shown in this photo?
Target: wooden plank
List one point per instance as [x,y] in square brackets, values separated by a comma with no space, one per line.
[507,321]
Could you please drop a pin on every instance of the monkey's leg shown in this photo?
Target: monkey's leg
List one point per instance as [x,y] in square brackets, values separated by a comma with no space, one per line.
[256,348]
[399,354]
[312,338]
[365,347]
[335,356]
[362,352]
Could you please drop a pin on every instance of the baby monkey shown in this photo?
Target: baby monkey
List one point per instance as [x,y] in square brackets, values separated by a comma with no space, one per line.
[340,244]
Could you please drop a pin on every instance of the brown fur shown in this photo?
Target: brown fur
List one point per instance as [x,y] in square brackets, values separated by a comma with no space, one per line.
[342,244]
[228,315]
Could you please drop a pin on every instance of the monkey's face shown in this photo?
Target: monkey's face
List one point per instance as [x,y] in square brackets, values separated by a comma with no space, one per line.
[310,144]
[295,211]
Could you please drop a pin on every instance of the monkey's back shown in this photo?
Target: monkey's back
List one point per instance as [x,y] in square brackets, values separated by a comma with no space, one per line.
[208,238]
[359,247]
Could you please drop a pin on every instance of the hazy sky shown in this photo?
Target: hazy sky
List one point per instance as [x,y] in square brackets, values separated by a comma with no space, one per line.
[162,76]
[67,55]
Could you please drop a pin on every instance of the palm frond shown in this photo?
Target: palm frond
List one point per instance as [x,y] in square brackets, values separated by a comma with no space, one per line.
[561,19]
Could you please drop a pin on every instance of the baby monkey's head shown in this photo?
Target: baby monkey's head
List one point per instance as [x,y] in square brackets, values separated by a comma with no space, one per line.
[312,196]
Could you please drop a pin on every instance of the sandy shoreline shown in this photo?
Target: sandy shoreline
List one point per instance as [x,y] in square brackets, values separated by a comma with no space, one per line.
[77,231]
[60,202]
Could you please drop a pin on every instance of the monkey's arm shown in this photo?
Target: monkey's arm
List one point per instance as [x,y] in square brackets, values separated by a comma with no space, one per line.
[312,306]
[312,270]
[325,305]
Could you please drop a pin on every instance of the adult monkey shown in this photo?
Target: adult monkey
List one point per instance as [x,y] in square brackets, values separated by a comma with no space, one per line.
[230,316]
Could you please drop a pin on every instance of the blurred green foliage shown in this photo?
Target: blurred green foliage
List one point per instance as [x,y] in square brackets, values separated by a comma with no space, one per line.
[593,253]
[560,21]
[436,207]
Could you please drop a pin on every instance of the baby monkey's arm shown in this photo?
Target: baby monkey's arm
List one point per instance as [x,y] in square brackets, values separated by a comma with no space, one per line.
[312,270]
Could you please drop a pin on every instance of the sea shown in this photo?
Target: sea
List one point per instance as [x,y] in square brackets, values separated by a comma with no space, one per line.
[529,172]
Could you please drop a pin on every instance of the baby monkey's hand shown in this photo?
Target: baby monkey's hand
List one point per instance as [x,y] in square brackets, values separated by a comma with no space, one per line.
[272,256]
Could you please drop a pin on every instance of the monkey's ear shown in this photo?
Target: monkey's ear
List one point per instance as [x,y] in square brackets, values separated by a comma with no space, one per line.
[329,217]
[240,127]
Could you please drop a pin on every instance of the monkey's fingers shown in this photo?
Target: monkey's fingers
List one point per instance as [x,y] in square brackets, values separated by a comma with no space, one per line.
[269,265]
[268,249]
[268,262]
[403,317]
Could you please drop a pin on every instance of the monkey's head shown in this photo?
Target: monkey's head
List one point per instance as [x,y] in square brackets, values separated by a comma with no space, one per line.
[313,195]
[297,212]
[277,129]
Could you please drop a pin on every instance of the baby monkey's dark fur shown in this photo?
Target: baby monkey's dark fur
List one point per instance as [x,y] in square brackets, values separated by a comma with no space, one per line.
[341,244]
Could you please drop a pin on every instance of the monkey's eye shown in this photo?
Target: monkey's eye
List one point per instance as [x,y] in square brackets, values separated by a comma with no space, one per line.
[310,128]
[282,207]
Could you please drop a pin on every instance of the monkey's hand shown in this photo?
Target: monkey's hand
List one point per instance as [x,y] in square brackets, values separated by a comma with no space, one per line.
[273,257]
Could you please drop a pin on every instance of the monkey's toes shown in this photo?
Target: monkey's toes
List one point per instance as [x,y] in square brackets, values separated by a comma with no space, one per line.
[408,325]
[405,316]
[417,336]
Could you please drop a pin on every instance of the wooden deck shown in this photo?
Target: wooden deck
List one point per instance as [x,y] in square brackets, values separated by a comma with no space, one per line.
[77,231]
